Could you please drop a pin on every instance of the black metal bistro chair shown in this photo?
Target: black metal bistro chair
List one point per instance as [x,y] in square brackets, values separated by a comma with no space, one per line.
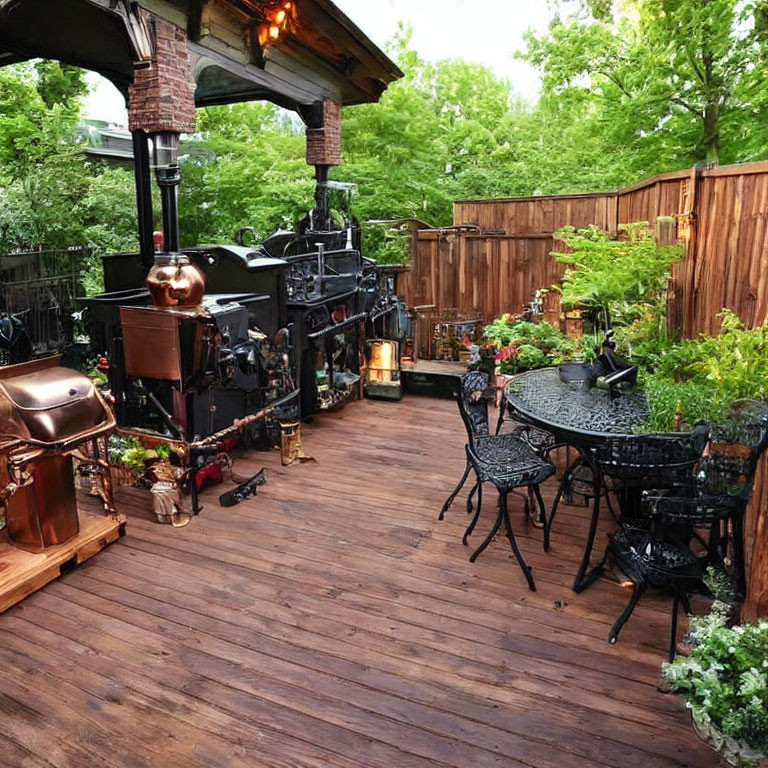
[504,460]
[540,440]
[476,383]
[657,550]
[632,464]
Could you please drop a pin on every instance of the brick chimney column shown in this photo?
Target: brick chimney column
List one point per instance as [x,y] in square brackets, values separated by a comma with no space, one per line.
[324,141]
[323,151]
[161,105]
[162,97]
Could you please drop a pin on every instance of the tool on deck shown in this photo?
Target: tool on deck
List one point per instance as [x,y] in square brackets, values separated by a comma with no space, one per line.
[244,490]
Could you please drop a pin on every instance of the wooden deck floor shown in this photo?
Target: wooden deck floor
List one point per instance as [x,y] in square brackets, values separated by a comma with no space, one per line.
[333,621]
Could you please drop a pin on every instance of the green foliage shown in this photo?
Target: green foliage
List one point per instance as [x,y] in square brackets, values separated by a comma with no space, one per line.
[724,680]
[613,274]
[672,81]
[129,452]
[706,374]
[51,198]
[524,345]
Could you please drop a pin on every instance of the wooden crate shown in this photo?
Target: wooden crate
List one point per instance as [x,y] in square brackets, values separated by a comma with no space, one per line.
[22,572]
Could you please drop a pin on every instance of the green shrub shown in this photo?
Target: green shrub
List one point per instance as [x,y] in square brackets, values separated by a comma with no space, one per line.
[524,345]
[724,680]
[706,375]
[610,274]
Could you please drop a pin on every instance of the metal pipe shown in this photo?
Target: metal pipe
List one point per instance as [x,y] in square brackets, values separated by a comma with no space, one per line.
[143,181]
[321,198]
[166,161]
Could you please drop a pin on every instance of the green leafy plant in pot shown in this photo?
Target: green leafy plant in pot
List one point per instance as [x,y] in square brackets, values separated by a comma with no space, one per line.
[724,682]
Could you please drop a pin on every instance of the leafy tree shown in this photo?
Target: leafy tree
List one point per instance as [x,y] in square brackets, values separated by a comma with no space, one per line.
[677,78]
[50,196]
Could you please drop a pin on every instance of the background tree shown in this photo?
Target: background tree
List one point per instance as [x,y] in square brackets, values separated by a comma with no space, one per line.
[678,78]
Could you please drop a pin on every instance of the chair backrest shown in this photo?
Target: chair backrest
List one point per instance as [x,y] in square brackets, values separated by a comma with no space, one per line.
[652,461]
[735,448]
[473,404]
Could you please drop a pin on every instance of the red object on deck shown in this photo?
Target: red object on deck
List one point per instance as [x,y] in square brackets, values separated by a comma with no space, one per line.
[209,475]
[159,240]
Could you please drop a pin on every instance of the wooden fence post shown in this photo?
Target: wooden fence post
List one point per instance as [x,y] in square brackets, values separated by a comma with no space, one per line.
[756,548]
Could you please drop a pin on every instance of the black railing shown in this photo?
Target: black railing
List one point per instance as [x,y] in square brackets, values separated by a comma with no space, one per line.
[41,288]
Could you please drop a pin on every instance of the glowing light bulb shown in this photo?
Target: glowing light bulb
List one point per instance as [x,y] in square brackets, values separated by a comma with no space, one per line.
[274,32]
[280,18]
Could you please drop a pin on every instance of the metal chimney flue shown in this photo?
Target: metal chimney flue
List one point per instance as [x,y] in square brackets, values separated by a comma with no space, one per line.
[165,156]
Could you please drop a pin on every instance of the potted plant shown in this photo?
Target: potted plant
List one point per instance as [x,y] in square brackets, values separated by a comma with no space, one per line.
[724,681]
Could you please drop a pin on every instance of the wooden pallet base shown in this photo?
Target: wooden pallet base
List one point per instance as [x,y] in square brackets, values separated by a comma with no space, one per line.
[22,572]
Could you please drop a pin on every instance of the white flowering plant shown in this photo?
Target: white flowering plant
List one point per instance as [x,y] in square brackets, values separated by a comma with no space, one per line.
[724,680]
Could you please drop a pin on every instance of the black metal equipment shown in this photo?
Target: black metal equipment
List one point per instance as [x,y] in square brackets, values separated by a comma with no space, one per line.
[15,345]
[247,488]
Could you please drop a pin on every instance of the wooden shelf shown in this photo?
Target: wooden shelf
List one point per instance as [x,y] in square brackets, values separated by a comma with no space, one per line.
[23,572]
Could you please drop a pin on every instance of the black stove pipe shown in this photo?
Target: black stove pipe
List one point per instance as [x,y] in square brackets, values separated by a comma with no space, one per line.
[143,180]
[168,175]
[321,223]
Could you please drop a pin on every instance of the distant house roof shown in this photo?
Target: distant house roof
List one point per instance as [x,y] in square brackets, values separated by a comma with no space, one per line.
[322,55]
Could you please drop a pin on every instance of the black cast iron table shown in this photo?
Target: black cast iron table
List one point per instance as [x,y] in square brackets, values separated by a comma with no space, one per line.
[582,419]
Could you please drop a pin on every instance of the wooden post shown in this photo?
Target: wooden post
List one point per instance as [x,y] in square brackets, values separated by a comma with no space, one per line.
[756,548]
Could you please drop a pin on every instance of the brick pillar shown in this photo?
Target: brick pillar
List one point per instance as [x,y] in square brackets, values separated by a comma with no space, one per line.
[162,97]
[324,141]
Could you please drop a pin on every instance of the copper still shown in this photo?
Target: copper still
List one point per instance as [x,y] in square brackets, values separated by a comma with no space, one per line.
[48,415]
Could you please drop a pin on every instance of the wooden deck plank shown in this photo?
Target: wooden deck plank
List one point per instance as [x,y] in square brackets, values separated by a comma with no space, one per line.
[332,620]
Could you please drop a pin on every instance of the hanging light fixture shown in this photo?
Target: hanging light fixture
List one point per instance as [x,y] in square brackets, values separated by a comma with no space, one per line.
[278,17]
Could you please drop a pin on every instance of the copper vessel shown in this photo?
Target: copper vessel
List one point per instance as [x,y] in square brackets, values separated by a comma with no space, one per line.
[174,282]
[47,415]
[43,512]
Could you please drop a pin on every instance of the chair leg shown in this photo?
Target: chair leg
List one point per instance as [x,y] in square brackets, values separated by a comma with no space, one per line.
[489,538]
[555,504]
[542,515]
[470,497]
[637,593]
[585,577]
[513,543]
[502,408]
[609,504]
[456,490]
[475,517]
[562,493]
[673,628]
[738,553]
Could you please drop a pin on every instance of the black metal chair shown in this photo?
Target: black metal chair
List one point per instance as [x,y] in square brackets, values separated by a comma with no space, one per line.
[657,550]
[503,460]
[540,440]
[475,383]
[632,464]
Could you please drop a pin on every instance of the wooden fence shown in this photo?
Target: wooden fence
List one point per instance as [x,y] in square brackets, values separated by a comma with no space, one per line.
[720,215]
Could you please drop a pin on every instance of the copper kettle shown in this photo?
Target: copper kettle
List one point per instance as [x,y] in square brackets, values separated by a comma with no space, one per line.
[175,282]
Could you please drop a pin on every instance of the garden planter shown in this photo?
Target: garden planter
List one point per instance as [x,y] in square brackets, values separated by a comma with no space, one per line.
[574,325]
[735,753]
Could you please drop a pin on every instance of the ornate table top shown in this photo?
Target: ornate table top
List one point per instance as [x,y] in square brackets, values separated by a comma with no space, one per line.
[540,396]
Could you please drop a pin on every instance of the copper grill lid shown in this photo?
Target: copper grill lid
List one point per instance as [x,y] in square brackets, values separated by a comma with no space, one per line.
[42,401]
